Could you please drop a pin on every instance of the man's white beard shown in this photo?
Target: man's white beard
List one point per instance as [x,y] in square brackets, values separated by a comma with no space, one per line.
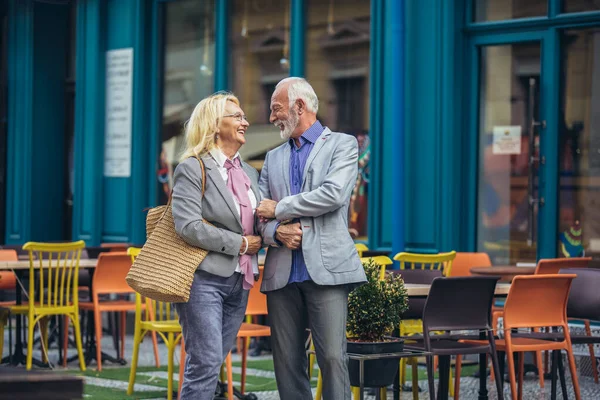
[289,125]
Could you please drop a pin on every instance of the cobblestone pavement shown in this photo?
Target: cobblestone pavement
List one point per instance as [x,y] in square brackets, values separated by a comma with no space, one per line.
[468,391]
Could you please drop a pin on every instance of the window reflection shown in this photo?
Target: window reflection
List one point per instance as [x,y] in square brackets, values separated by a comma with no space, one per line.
[498,10]
[188,61]
[579,147]
[337,66]
[259,42]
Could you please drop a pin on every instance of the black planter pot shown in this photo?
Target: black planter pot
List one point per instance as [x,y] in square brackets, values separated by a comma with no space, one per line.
[379,372]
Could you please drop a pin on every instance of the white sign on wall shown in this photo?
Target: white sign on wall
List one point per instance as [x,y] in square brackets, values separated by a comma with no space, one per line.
[117,128]
[507,140]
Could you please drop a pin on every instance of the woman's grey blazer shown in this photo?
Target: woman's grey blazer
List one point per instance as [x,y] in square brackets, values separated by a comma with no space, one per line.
[224,238]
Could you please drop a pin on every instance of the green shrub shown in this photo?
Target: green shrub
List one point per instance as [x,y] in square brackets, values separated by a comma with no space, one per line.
[375,308]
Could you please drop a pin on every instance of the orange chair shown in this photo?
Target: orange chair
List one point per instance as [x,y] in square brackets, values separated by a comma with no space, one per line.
[463,262]
[553,265]
[257,305]
[8,281]
[115,246]
[551,293]
[109,278]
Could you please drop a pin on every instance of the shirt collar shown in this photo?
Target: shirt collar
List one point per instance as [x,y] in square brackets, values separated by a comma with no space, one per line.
[311,134]
[220,157]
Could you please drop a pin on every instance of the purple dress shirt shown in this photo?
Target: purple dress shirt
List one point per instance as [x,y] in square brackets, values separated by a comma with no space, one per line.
[298,157]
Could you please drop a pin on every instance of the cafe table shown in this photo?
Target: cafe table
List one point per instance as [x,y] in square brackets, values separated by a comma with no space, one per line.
[19,268]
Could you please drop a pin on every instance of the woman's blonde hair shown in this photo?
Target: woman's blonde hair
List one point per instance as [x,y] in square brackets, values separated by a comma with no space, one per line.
[201,128]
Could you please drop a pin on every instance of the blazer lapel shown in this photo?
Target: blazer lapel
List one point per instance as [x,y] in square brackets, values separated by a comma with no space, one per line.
[315,150]
[286,168]
[214,175]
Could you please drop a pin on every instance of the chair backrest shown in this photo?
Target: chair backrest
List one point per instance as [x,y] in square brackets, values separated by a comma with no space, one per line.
[111,270]
[463,262]
[156,310]
[537,301]
[441,261]
[57,282]
[551,266]
[382,261]
[115,246]
[360,247]
[257,301]
[584,297]
[462,303]
[420,276]
[8,280]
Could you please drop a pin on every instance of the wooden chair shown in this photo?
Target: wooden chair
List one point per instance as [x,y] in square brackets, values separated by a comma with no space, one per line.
[56,281]
[160,318]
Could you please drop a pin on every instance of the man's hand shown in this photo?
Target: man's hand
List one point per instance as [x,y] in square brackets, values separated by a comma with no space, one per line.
[290,235]
[266,209]
[254,245]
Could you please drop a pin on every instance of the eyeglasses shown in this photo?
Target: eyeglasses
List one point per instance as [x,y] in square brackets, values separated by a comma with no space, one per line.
[239,117]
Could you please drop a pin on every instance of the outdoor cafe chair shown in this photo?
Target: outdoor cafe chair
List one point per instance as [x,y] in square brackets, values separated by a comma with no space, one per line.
[549,309]
[419,268]
[8,281]
[458,304]
[161,318]
[57,291]
[109,278]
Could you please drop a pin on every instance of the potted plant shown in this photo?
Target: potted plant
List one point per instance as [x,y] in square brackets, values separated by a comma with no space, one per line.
[374,311]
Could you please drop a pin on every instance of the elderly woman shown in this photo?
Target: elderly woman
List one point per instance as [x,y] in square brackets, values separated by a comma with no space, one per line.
[212,317]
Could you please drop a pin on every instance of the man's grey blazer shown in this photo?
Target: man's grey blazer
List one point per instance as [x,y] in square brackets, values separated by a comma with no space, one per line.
[322,207]
[224,238]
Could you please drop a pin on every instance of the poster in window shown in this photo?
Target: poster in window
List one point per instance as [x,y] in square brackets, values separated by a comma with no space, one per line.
[507,140]
[119,79]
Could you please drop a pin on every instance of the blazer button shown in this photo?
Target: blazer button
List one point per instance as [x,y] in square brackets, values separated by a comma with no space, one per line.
[223,249]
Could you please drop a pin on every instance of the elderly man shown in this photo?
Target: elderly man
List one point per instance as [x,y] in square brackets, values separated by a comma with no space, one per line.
[312,263]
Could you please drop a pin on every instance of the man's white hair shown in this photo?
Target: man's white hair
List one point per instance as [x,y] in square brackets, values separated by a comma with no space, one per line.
[299,88]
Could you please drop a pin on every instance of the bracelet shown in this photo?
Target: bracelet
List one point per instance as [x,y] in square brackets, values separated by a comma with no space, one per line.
[246,249]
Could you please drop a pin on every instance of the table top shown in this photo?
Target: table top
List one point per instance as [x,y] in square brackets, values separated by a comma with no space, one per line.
[502,270]
[13,265]
[422,290]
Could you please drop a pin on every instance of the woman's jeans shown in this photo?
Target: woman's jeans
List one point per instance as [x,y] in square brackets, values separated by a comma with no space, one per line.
[210,321]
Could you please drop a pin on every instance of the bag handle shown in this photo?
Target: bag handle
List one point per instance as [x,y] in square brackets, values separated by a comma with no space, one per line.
[203,176]
[203,184]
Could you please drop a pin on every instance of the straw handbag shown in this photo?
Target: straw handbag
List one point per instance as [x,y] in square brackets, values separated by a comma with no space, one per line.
[164,269]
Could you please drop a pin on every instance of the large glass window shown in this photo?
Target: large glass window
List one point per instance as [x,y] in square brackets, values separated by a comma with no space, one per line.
[580,5]
[497,10]
[509,99]
[188,61]
[337,66]
[259,59]
[579,146]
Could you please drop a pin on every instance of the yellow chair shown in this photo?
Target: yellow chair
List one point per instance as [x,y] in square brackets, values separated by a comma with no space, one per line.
[56,279]
[360,247]
[160,318]
[8,281]
[383,262]
[440,261]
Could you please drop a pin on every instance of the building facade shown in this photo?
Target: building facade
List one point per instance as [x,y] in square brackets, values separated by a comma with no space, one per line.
[477,119]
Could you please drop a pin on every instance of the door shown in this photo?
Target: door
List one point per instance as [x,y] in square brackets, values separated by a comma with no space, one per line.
[508,134]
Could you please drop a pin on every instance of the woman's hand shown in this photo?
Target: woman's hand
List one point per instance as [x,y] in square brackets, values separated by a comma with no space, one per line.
[254,244]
